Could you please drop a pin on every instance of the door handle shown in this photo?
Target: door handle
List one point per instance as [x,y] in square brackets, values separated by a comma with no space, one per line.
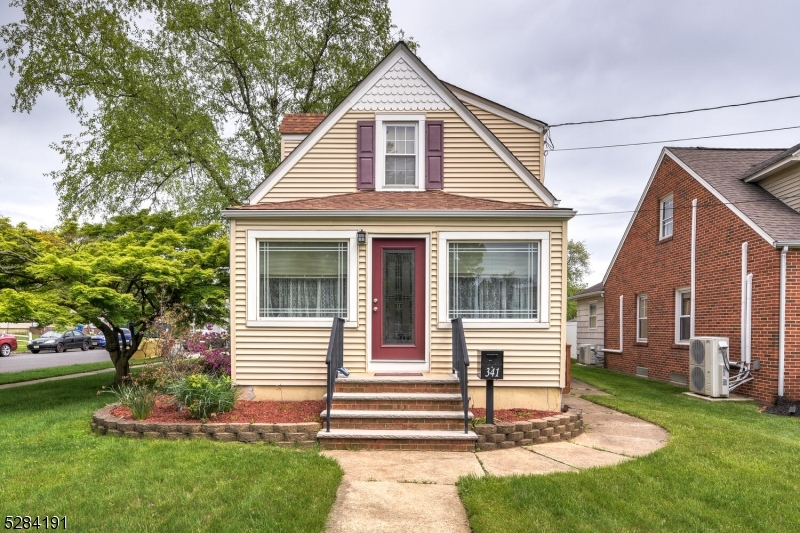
[374,309]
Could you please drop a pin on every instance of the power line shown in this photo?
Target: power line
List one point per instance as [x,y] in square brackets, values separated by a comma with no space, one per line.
[676,207]
[675,112]
[670,140]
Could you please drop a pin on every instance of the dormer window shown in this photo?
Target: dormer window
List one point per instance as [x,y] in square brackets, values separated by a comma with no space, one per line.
[401,155]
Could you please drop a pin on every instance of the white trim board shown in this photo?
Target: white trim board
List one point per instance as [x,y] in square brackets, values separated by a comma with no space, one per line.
[251,277]
[543,305]
[402,51]
[405,213]
[495,109]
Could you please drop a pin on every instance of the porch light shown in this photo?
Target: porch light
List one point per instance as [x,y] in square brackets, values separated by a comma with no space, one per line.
[362,236]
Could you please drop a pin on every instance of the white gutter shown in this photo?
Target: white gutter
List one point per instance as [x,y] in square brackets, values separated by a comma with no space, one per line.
[694,256]
[621,299]
[306,213]
[743,320]
[749,321]
[782,323]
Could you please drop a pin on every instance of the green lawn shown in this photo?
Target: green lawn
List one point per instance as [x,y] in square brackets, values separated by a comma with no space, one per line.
[54,371]
[726,468]
[51,464]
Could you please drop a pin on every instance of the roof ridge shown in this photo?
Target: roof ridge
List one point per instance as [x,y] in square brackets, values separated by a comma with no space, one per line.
[727,149]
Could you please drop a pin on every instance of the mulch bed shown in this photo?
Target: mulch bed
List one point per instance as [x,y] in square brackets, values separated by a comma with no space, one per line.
[517,414]
[783,409]
[246,411]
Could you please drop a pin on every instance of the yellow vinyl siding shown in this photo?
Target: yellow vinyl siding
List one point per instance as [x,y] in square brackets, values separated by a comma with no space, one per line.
[524,143]
[471,167]
[282,356]
[785,186]
[287,145]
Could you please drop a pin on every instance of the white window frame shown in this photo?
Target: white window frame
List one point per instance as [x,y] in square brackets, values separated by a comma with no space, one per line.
[590,315]
[543,303]
[381,121]
[661,233]
[678,293]
[639,318]
[254,237]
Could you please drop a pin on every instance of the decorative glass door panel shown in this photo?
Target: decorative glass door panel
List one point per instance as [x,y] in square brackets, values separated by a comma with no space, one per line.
[398,297]
[397,306]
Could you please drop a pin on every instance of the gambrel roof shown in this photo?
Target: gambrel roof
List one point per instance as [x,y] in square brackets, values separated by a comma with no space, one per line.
[378,91]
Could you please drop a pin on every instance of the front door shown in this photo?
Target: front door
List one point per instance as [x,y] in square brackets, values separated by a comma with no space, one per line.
[398,300]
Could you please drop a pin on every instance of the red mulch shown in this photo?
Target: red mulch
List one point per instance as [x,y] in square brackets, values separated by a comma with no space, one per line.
[517,414]
[245,411]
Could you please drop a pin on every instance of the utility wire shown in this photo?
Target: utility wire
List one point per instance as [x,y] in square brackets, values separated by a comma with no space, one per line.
[675,112]
[676,207]
[670,140]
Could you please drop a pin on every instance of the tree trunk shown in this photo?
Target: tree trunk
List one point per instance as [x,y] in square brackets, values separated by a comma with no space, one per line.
[123,370]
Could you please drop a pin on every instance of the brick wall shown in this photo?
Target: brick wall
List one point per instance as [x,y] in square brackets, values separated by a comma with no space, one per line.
[659,267]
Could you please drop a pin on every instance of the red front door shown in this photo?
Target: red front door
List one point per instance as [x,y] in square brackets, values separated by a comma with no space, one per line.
[398,300]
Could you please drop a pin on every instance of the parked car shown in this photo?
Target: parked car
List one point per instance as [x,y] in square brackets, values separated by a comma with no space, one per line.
[60,342]
[8,343]
[99,340]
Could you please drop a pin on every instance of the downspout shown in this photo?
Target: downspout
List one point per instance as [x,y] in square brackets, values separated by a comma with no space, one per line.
[743,322]
[782,322]
[694,256]
[621,299]
[749,321]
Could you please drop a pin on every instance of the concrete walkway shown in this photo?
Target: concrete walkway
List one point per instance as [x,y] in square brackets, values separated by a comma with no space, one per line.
[415,491]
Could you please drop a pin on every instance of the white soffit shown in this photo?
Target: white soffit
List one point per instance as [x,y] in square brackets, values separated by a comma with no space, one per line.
[421,75]
[401,89]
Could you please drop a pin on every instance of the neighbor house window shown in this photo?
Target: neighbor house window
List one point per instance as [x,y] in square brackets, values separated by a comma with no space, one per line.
[641,318]
[666,217]
[592,315]
[493,280]
[302,279]
[401,149]
[683,315]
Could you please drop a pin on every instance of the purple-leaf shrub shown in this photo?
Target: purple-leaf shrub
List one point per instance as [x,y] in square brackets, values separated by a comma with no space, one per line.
[218,361]
[214,350]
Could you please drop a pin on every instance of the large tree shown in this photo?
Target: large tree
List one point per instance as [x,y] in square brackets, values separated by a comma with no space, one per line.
[577,269]
[131,270]
[180,100]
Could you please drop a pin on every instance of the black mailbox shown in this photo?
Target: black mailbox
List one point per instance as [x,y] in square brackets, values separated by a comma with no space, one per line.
[491,366]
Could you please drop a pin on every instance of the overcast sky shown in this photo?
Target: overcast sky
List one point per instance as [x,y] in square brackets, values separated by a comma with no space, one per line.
[558,62]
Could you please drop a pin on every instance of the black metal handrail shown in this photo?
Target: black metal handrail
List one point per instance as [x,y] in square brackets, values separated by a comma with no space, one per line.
[334,360]
[460,364]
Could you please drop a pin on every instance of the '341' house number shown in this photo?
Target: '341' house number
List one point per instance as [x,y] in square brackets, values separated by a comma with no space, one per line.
[491,365]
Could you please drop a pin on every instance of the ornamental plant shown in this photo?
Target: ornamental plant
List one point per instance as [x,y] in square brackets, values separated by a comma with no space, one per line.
[203,395]
[139,399]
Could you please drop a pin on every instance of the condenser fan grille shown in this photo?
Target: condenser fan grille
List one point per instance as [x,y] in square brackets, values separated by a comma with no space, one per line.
[698,352]
[698,379]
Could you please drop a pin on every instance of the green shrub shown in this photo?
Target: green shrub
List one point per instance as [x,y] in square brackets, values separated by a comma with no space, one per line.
[140,400]
[205,395]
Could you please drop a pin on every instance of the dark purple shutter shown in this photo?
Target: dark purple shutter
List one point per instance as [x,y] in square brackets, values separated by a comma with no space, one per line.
[434,145]
[365,166]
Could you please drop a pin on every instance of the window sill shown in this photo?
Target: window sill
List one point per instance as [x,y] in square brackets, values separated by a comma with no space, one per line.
[665,239]
[640,343]
[497,324]
[681,346]
[297,323]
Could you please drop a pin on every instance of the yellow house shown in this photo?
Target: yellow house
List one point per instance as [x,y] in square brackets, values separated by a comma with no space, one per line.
[413,203]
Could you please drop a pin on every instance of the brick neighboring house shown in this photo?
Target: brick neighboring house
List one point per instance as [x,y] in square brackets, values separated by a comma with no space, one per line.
[742,196]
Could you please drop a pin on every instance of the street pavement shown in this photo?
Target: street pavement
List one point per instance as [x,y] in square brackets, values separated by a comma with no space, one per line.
[18,361]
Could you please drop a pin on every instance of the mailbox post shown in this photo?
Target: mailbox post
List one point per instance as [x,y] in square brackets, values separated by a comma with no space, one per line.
[490,369]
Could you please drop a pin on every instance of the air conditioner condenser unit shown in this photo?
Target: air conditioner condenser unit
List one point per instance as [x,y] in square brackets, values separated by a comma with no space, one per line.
[585,355]
[708,366]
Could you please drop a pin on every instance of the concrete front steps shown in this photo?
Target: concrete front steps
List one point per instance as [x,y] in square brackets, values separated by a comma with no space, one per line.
[397,413]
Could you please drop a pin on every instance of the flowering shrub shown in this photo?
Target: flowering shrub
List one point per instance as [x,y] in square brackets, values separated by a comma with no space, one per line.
[214,350]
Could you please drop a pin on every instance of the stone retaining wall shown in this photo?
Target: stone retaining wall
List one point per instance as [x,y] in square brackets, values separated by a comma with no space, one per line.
[539,431]
[305,434]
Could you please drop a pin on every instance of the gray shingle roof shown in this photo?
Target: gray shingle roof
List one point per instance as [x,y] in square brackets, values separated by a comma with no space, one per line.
[723,168]
[588,290]
[771,161]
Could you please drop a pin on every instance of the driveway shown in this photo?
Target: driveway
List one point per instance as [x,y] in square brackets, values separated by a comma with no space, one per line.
[28,361]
